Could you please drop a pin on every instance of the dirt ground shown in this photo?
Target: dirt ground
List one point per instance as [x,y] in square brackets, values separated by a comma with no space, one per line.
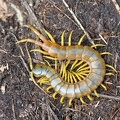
[20,99]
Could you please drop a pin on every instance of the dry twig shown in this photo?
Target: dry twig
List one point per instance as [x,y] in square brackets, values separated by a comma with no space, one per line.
[77,21]
[107,96]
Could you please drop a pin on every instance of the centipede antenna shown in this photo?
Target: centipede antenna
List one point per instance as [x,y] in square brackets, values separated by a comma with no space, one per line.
[31,75]
[95,92]
[31,41]
[62,99]
[69,39]
[39,50]
[109,74]
[81,39]
[89,97]
[30,59]
[54,95]
[81,99]
[62,38]
[105,53]
[70,101]
[49,35]
[103,86]
[48,89]
[37,33]
[97,45]
[111,67]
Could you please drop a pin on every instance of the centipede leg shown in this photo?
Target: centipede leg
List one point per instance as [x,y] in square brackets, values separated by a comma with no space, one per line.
[49,57]
[43,80]
[109,74]
[103,86]
[70,101]
[81,99]
[50,36]
[48,89]
[89,97]
[111,67]
[54,95]
[96,45]
[95,92]
[62,38]
[106,53]
[81,39]
[62,100]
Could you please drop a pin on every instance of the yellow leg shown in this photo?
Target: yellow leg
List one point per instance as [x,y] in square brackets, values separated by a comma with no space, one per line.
[73,76]
[95,92]
[39,50]
[103,86]
[49,57]
[62,67]
[73,65]
[111,67]
[54,95]
[48,89]
[62,100]
[96,45]
[50,36]
[89,97]
[70,36]
[106,53]
[81,99]
[70,101]
[68,78]
[81,39]
[84,65]
[76,75]
[109,74]
[62,38]
[43,80]
[47,63]
[77,64]
[86,68]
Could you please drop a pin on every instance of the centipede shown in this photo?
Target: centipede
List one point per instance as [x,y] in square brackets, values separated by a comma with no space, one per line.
[80,80]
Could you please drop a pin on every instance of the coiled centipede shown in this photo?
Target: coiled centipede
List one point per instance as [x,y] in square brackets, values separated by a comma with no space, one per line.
[87,54]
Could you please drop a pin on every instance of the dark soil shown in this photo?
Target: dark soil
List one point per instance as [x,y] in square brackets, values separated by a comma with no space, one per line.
[20,99]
